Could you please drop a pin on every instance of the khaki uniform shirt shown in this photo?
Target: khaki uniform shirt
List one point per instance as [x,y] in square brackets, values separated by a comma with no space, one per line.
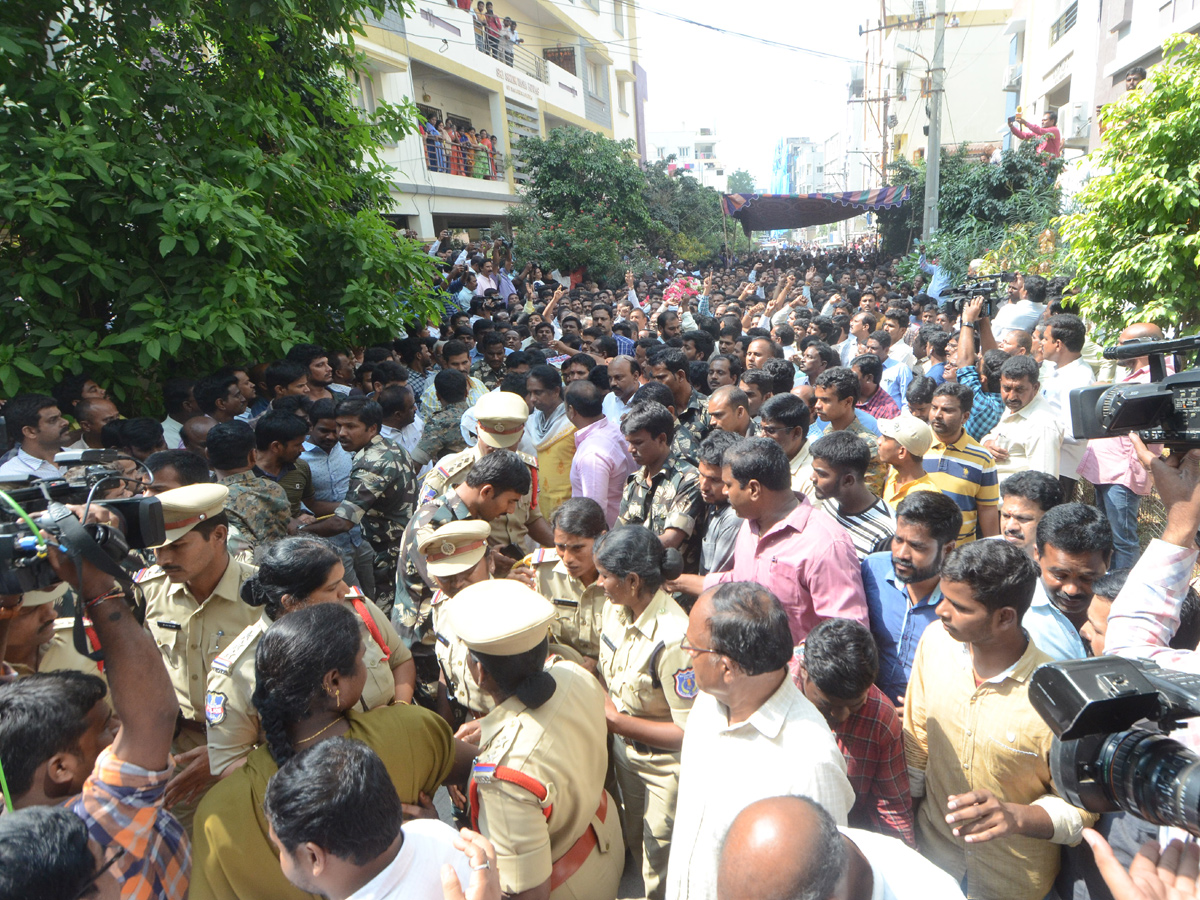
[191,634]
[451,471]
[59,655]
[801,466]
[578,608]
[647,671]
[233,724]
[452,660]
[563,745]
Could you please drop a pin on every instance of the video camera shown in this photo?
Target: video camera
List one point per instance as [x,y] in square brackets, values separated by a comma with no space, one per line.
[1165,411]
[23,563]
[1099,761]
[958,297]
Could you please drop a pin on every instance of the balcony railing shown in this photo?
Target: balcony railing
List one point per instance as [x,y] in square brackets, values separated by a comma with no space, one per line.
[468,160]
[1063,23]
[510,54]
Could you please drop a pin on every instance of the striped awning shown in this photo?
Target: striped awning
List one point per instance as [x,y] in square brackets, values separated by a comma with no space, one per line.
[778,212]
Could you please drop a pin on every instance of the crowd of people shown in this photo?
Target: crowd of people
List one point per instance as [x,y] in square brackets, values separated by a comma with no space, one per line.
[730,580]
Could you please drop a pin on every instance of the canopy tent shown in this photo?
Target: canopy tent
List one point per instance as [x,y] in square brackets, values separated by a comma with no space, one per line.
[771,212]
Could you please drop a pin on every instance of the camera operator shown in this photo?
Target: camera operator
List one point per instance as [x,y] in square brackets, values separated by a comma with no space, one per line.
[56,743]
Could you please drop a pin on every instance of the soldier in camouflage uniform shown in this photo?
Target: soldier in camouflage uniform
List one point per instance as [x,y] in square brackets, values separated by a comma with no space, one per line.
[257,509]
[381,495]
[664,494]
[670,367]
[442,434]
[491,489]
[490,370]
[501,423]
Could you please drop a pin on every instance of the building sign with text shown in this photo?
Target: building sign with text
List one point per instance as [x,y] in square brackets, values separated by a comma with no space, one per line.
[518,85]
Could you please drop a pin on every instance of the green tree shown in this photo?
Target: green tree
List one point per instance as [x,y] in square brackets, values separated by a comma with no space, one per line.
[1135,234]
[978,204]
[184,184]
[740,182]
[686,215]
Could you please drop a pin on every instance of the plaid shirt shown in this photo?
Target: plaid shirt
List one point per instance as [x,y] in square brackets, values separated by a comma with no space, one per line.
[122,805]
[881,406]
[872,741]
[986,409]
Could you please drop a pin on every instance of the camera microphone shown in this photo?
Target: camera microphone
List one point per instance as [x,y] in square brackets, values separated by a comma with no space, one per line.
[77,457]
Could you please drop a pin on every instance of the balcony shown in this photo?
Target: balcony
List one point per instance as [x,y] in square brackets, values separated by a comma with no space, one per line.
[1064,23]
[463,159]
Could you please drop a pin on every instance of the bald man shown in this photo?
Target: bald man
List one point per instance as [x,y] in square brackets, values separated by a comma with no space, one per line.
[1112,465]
[195,434]
[729,410]
[782,848]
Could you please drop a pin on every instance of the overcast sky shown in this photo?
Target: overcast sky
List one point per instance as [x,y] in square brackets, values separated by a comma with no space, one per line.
[751,93]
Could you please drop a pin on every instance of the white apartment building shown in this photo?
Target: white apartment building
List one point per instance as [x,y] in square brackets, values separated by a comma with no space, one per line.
[798,166]
[576,65]
[975,57]
[696,154]
[1053,47]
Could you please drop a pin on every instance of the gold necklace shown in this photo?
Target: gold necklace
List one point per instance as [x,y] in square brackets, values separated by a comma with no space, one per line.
[313,737]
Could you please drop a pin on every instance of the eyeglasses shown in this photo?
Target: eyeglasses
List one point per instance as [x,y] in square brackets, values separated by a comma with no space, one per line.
[693,651]
[89,887]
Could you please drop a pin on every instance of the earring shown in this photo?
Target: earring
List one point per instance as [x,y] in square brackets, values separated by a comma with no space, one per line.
[337,697]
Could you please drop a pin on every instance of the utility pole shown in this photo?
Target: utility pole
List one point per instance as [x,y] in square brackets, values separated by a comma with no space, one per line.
[933,152]
[883,132]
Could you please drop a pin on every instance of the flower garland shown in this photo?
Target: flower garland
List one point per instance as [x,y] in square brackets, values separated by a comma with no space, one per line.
[681,289]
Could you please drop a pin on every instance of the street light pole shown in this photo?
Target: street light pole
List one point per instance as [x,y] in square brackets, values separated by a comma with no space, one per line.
[933,152]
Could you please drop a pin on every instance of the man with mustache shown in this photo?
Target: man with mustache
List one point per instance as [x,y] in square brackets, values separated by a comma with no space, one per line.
[1024,499]
[1029,435]
[1074,548]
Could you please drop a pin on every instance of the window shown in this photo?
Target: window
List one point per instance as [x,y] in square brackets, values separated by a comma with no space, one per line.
[621,96]
[364,90]
[685,153]
[594,79]
[1063,23]
[619,16]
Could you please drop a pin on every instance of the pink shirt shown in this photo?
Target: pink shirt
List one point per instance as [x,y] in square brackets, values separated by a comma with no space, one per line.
[601,465]
[808,561]
[1113,460]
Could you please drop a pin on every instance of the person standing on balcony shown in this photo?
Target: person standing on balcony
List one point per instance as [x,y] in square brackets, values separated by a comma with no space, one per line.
[454,148]
[434,152]
[489,152]
[492,22]
[509,39]
[480,18]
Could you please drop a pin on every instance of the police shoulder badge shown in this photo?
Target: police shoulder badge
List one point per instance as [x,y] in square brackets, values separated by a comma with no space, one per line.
[685,684]
[214,707]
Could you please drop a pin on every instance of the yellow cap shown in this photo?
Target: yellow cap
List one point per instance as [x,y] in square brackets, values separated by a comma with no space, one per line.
[186,507]
[41,598]
[502,418]
[909,432]
[454,548]
[501,618]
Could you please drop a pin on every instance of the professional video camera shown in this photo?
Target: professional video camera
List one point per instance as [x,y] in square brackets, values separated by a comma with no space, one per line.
[1165,411]
[23,563]
[958,297]
[1099,761]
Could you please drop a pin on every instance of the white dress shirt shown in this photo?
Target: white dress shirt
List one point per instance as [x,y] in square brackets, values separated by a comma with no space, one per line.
[614,408]
[416,872]
[1032,437]
[1056,388]
[173,433]
[900,872]
[24,467]
[1022,315]
[784,748]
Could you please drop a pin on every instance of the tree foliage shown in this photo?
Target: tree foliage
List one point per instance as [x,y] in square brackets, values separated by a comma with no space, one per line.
[1135,238]
[589,205]
[183,185]
[978,203]
[740,182]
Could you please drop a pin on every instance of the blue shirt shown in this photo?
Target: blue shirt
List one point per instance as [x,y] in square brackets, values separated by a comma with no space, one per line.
[1050,629]
[895,380]
[896,625]
[330,480]
[937,373]
[938,279]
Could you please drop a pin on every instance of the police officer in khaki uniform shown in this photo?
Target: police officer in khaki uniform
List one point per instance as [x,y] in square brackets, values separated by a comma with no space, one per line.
[501,418]
[456,556]
[297,572]
[194,611]
[651,686]
[39,642]
[537,787]
[566,576]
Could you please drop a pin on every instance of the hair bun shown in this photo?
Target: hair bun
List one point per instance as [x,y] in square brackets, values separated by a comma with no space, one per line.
[672,566]
[252,592]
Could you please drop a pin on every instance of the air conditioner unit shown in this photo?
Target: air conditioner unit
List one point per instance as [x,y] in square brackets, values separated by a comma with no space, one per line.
[1081,123]
[1012,78]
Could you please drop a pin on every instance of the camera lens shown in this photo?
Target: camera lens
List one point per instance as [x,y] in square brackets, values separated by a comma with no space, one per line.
[1144,773]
